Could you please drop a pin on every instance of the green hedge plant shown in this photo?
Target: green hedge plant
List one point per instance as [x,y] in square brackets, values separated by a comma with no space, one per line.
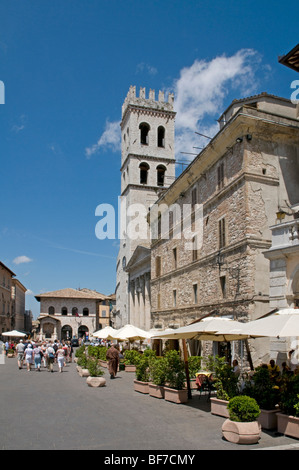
[175,370]
[243,409]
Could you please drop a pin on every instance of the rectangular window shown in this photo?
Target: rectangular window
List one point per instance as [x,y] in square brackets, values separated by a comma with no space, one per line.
[174,252]
[158,266]
[174,297]
[223,286]
[193,199]
[222,234]
[194,248]
[220,175]
[195,299]
[170,224]
[159,300]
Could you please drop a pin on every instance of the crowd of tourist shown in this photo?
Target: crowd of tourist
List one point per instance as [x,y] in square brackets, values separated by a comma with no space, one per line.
[44,354]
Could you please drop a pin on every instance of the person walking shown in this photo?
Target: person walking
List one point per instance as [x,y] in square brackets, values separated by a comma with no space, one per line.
[37,357]
[50,354]
[20,348]
[43,354]
[112,356]
[29,357]
[60,357]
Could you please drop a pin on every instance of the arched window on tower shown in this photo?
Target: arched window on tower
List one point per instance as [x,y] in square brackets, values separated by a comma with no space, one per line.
[51,311]
[161,175]
[144,167]
[161,136]
[144,131]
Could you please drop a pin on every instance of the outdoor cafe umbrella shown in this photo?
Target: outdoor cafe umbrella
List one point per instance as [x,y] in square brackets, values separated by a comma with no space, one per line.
[14,333]
[283,323]
[131,333]
[210,328]
[105,333]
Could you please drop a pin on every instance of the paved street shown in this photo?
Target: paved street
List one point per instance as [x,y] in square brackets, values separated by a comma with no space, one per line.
[53,411]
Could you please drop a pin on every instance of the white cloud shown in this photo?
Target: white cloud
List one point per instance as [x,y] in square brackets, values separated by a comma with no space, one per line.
[29,292]
[143,67]
[22,259]
[110,139]
[200,92]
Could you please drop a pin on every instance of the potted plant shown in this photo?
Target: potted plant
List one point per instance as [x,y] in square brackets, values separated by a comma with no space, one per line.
[142,375]
[225,383]
[157,376]
[266,392]
[10,353]
[288,419]
[242,426]
[95,378]
[131,357]
[175,378]
[194,366]
[82,366]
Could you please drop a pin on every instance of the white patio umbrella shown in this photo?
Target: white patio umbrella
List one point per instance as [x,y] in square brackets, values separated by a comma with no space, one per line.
[131,333]
[14,333]
[106,333]
[210,328]
[284,323]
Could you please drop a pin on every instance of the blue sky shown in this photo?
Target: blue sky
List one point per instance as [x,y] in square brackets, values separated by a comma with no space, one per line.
[67,66]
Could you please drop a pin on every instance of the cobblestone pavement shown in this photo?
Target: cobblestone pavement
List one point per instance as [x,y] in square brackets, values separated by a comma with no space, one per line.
[53,411]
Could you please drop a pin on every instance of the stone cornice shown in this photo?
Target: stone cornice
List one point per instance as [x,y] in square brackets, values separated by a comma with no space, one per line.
[147,111]
[147,157]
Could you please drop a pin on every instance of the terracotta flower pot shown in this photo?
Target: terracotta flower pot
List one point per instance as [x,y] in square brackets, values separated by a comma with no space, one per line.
[268,419]
[95,381]
[241,433]
[84,373]
[141,387]
[288,425]
[156,391]
[175,396]
[219,407]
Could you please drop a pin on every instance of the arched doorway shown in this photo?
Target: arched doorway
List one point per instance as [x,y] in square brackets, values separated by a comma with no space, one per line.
[82,331]
[66,332]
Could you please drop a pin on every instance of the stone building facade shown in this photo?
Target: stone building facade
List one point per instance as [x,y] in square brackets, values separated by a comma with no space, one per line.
[6,277]
[69,313]
[234,187]
[12,306]
[284,277]
[147,168]
[18,291]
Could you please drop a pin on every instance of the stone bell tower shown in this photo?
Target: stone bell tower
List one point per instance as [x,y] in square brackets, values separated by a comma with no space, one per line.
[147,168]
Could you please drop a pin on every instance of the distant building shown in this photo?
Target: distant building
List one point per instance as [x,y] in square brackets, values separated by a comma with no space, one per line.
[69,313]
[12,301]
[18,305]
[6,277]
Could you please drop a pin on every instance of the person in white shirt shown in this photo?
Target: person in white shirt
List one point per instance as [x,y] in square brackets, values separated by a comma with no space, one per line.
[29,356]
[50,353]
[20,350]
[60,357]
